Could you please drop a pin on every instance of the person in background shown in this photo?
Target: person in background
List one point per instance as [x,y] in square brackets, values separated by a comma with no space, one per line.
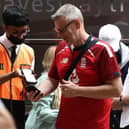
[6,120]
[112,35]
[86,95]
[44,113]
[14,55]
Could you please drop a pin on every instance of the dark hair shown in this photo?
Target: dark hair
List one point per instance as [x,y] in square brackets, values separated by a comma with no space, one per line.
[16,16]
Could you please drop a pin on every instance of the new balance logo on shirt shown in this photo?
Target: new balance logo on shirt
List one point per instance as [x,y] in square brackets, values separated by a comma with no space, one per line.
[65,60]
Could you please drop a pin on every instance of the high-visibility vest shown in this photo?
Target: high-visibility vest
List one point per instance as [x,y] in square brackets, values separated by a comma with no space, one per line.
[12,89]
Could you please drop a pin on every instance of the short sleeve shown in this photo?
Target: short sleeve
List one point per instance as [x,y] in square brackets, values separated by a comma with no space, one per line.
[108,66]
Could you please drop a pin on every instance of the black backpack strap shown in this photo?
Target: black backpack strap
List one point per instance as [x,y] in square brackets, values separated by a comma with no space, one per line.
[74,63]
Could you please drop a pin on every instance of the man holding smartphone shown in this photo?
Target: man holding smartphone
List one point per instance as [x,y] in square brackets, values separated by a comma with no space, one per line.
[14,55]
[86,96]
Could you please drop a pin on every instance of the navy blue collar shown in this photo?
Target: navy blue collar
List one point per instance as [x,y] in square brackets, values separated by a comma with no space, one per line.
[82,46]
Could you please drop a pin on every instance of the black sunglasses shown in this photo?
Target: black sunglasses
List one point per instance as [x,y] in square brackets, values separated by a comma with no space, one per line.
[64,28]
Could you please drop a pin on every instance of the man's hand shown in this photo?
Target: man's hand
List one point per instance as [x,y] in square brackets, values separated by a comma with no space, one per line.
[116,103]
[69,89]
[33,96]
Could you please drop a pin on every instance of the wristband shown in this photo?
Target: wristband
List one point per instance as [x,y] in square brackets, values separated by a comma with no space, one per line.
[121,102]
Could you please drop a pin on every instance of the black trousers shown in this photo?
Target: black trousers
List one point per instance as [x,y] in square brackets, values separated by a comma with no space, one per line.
[115,119]
[17,109]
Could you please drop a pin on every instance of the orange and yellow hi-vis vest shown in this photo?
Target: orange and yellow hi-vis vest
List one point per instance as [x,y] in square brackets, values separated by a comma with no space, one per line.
[12,89]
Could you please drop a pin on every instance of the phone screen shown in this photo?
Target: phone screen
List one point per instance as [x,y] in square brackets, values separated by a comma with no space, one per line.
[29,77]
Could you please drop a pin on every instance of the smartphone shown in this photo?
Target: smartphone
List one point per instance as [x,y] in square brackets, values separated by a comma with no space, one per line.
[29,76]
[32,88]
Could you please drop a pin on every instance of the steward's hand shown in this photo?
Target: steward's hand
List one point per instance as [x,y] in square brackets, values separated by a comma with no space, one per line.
[18,73]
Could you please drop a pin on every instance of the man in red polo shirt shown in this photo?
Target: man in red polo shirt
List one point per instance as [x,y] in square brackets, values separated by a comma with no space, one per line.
[86,96]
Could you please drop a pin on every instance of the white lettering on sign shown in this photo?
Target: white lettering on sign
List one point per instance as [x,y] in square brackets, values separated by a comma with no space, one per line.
[37,6]
[94,8]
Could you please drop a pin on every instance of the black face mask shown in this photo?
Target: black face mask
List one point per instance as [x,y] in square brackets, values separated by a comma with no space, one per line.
[16,40]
